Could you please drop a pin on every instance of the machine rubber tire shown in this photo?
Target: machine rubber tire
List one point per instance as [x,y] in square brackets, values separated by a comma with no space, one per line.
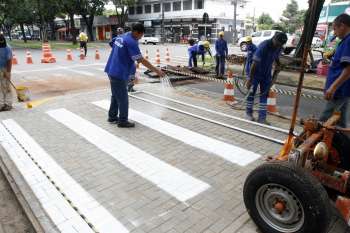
[308,194]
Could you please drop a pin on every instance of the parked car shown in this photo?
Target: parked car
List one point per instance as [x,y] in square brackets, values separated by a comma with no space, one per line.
[149,40]
[316,42]
[261,36]
[28,37]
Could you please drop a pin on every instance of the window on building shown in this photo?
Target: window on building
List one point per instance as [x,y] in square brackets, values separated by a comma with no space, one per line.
[167,6]
[187,5]
[198,4]
[148,9]
[156,8]
[139,10]
[131,10]
[176,6]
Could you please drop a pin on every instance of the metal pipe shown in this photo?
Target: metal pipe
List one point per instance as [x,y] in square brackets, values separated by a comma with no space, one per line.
[218,113]
[211,121]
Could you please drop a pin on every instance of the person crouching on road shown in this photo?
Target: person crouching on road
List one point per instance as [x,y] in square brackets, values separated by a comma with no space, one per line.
[120,67]
[5,75]
[221,54]
[251,49]
[337,89]
[192,53]
[83,39]
[260,74]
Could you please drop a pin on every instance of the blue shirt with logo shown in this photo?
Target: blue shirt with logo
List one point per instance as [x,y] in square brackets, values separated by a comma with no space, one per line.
[121,61]
[340,60]
[192,50]
[221,47]
[264,57]
[5,56]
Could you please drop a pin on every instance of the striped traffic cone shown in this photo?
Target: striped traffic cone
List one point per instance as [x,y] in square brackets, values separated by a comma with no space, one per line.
[229,93]
[29,58]
[272,101]
[97,55]
[82,55]
[167,57]
[69,55]
[157,57]
[14,59]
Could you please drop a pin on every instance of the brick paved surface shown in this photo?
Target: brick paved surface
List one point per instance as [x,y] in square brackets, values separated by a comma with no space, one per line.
[134,201]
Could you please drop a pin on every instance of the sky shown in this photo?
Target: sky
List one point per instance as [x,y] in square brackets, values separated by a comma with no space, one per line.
[273,7]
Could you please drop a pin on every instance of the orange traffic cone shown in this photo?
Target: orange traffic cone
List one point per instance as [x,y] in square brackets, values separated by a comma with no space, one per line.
[47,54]
[272,101]
[167,56]
[14,59]
[229,93]
[157,57]
[69,55]
[97,55]
[29,58]
[82,55]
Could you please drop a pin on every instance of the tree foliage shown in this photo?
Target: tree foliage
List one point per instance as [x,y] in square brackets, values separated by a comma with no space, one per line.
[122,10]
[293,18]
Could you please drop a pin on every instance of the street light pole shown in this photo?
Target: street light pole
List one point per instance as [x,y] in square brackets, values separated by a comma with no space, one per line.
[162,24]
[235,2]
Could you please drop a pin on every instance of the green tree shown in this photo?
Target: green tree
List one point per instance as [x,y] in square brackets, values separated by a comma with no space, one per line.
[70,8]
[122,10]
[293,18]
[266,19]
[88,9]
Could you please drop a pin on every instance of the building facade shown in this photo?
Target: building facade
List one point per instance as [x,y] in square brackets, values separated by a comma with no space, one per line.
[184,18]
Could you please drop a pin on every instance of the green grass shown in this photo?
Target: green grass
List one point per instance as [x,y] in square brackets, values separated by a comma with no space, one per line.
[17,44]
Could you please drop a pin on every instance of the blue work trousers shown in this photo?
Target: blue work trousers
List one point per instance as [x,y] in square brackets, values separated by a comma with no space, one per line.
[336,105]
[119,108]
[264,86]
[192,62]
[220,65]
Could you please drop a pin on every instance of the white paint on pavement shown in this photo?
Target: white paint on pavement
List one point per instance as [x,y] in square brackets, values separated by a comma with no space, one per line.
[55,68]
[168,178]
[226,151]
[57,207]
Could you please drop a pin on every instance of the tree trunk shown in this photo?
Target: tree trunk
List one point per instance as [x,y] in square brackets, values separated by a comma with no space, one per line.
[23,32]
[309,32]
[29,32]
[89,21]
[73,30]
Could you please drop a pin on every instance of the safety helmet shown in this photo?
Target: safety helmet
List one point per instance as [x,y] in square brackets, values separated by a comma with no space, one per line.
[249,39]
[221,33]
[206,44]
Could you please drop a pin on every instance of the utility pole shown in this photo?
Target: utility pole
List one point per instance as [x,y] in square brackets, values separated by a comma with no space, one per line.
[235,2]
[162,24]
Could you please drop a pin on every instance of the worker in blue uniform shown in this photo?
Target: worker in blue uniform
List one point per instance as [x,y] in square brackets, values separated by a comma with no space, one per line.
[192,53]
[221,54]
[337,89]
[251,49]
[260,74]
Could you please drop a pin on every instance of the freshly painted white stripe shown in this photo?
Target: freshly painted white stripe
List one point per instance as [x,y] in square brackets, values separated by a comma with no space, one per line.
[56,206]
[271,101]
[55,68]
[100,69]
[80,72]
[226,151]
[168,178]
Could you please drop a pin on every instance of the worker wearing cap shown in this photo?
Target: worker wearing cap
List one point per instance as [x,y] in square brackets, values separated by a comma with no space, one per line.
[251,49]
[221,54]
[260,73]
[337,89]
[83,39]
[5,75]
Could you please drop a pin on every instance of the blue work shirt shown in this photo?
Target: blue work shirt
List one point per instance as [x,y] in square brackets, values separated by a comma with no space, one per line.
[192,50]
[221,47]
[251,49]
[121,61]
[340,60]
[264,57]
[5,56]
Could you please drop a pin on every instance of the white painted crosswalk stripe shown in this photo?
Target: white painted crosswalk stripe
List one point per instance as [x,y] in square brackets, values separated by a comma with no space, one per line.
[175,182]
[226,151]
[57,207]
